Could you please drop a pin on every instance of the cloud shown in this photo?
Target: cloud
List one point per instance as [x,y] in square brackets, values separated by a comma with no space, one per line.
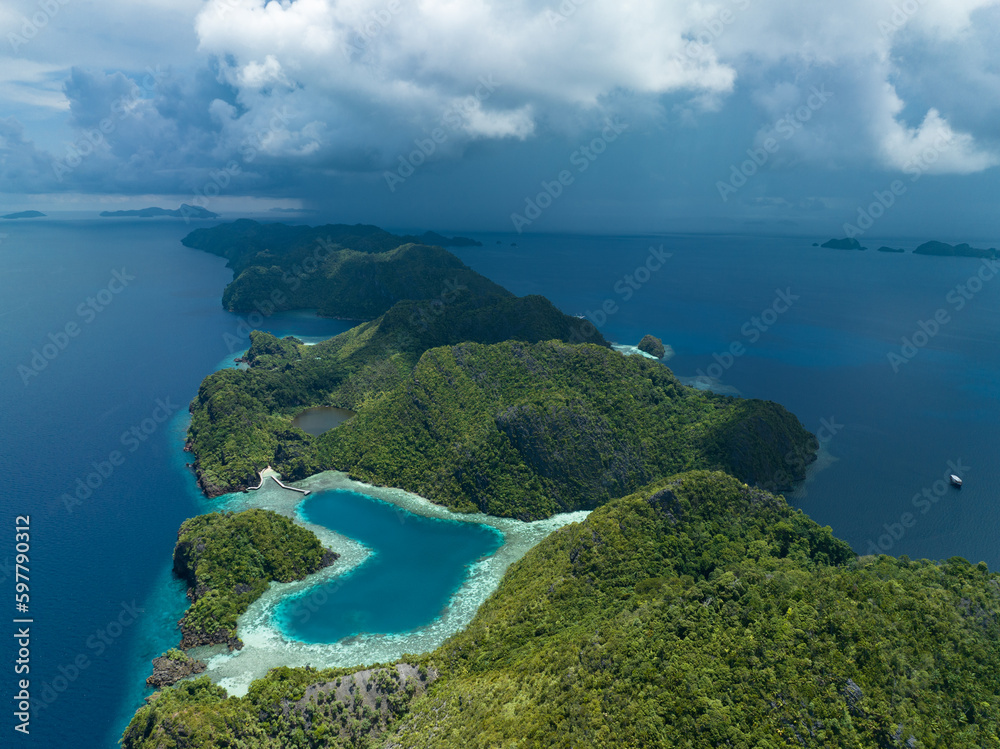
[287,94]
[933,148]
[385,71]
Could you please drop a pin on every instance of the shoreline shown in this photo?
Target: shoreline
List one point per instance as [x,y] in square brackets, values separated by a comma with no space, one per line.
[265,646]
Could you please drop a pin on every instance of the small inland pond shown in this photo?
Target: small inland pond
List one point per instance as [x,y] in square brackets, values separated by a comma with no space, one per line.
[418,563]
[319,419]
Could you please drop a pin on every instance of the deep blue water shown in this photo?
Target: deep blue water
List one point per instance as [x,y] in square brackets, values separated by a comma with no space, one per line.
[154,342]
[824,358]
[415,568]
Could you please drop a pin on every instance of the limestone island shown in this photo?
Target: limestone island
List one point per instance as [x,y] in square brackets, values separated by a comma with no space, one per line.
[185,211]
[652,346]
[843,244]
[960,250]
[433,238]
[690,606]
[24,214]
[228,560]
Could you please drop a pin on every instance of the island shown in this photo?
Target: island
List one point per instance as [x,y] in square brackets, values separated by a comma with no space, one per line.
[960,250]
[695,576]
[691,607]
[652,346]
[883,248]
[277,267]
[24,214]
[843,244]
[433,238]
[228,560]
[185,211]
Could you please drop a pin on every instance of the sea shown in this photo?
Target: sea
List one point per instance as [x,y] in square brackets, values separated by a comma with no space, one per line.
[107,328]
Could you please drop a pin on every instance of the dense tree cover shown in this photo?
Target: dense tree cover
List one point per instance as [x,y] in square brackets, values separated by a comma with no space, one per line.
[697,612]
[513,429]
[245,243]
[528,430]
[652,346]
[228,560]
[357,285]
[241,420]
[694,612]
[354,272]
[288,709]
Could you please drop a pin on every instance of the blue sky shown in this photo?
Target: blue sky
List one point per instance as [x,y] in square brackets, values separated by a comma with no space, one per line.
[571,115]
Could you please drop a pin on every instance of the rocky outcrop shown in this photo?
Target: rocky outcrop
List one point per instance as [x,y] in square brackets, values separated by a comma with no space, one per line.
[652,346]
[196,637]
[843,244]
[575,448]
[171,667]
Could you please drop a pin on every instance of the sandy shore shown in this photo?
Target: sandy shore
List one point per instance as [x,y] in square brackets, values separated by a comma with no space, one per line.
[265,646]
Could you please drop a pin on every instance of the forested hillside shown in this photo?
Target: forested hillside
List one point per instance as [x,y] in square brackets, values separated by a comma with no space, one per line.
[697,612]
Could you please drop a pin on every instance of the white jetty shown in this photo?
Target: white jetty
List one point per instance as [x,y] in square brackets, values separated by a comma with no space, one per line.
[270,473]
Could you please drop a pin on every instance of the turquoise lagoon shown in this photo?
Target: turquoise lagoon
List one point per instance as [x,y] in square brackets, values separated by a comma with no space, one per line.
[416,565]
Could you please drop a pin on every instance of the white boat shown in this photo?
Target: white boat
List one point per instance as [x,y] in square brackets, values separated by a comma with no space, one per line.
[956,480]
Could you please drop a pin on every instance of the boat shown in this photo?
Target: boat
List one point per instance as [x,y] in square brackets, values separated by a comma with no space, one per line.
[956,481]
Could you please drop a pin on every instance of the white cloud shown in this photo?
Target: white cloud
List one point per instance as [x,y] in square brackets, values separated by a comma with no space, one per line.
[356,82]
[382,72]
[933,148]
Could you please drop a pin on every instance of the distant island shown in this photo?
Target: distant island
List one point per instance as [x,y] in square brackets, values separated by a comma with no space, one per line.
[436,240]
[24,214]
[843,244]
[940,249]
[959,250]
[185,211]
[285,267]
